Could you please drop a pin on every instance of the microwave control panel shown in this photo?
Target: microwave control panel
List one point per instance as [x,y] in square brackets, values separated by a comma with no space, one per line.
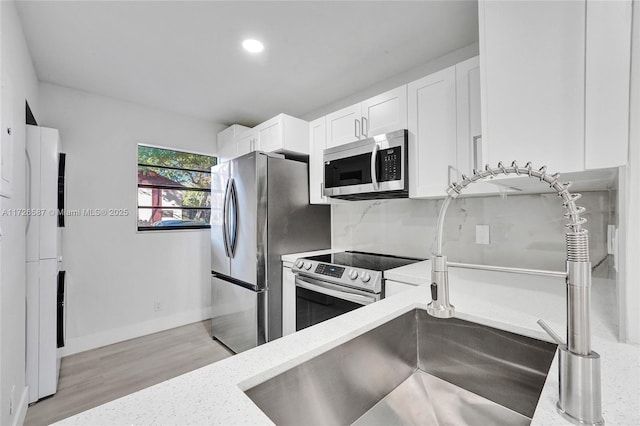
[390,164]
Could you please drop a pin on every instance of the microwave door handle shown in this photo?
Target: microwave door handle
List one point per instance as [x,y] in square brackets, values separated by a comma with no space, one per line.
[225,222]
[322,288]
[374,159]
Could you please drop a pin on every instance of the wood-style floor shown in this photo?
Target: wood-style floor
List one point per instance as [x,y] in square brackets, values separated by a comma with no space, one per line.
[94,377]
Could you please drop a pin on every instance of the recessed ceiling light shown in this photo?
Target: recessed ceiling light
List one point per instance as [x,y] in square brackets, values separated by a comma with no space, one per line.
[253,46]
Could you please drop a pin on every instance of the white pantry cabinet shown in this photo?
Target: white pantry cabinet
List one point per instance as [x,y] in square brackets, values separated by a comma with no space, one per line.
[432,133]
[555,82]
[380,114]
[317,144]
[228,146]
[288,300]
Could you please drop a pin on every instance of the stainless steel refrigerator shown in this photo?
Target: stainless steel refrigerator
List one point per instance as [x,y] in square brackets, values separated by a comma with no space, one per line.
[259,210]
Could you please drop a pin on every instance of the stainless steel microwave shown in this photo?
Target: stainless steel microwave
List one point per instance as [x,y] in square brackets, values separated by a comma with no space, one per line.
[368,169]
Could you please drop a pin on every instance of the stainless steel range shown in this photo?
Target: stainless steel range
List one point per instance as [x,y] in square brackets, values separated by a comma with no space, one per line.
[329,285]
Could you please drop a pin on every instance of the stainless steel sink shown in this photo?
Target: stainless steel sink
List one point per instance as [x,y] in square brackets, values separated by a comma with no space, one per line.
[414,369]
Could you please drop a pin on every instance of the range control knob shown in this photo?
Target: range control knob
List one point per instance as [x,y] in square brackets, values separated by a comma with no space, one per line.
[299,263]
[307,265]
[353,274]
[365,277]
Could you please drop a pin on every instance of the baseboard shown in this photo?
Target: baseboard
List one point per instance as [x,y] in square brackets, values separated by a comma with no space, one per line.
[21,413]
[108,337]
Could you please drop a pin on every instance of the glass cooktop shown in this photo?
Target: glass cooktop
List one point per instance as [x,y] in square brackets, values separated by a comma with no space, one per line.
[371,261]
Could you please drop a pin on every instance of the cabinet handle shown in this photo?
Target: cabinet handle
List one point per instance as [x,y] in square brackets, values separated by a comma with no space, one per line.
[365,127]
[357,126]
[477,152]
[322,191]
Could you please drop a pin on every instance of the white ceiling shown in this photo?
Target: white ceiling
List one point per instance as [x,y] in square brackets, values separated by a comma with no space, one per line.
[186,56]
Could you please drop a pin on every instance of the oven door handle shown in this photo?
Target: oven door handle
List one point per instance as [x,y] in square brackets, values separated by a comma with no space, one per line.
[374,159]
[334,291]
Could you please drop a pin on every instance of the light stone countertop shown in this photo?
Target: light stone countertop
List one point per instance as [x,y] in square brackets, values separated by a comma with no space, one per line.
[513,302]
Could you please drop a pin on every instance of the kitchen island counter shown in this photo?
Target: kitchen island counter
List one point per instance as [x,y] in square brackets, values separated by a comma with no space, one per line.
[513,302]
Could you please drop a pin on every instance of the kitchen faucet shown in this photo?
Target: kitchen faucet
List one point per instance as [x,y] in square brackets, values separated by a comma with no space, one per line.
[579,366]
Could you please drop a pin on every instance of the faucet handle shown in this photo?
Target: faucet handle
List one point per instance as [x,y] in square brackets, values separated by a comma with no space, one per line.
[556,338]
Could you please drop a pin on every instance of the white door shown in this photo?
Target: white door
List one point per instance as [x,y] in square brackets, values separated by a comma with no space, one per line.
[432,133]
[269,136]
[344,126]
[245,143]
[532,56]
[385,113]
[317,143]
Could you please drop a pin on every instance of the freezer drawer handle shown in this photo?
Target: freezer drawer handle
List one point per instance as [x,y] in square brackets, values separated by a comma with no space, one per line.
[334,291]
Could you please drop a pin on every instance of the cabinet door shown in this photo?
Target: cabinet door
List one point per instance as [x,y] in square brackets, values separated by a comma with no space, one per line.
[288,302]
[317,142]
[532,56]
[391,288]
[432,133]
[226,149]
[344,126]
[385,113]
[607,83]
[470,146]
[269,136]
[245,143]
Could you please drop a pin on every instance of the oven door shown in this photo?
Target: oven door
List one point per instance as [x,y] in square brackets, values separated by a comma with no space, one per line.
[317,301]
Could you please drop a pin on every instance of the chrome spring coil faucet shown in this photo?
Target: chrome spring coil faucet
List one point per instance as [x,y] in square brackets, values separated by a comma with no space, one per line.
[579,366]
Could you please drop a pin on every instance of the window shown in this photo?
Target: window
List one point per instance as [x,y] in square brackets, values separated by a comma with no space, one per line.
[174,189]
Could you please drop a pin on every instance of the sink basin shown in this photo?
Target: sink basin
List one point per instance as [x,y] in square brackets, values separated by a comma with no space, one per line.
[414,369]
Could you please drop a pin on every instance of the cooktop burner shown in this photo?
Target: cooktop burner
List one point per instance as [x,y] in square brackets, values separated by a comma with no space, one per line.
[370,261]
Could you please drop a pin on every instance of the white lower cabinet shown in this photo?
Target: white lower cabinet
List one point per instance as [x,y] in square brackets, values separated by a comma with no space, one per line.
[392,288]
[288,300]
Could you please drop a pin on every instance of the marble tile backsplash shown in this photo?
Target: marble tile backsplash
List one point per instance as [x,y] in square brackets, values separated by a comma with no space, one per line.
[526,231]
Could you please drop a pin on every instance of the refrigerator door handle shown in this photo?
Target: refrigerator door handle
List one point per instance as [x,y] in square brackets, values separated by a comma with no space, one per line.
[233,236]
[225,224]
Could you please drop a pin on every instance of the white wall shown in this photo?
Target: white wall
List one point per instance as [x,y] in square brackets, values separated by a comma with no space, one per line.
[18,72]
[115,275]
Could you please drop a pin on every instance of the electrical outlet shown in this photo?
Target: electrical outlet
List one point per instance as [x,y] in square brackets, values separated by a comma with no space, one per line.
[482,234]
[157,306]
[12,399]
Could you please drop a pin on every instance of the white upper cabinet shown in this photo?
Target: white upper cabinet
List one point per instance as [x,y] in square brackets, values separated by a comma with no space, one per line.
[344,126]
[283,133]
[227,142]
[317,144]
[555,82]
[381,114]
[607,83]
[384,113]
[246,142]
[432,133]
